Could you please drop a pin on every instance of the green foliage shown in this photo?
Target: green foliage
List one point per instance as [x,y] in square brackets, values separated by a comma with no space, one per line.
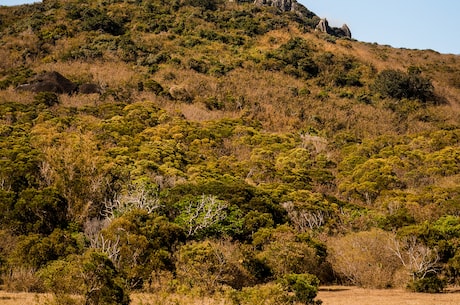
[284,253]
[101,281]
[206,216]
[153,86]
[46,98]
[293,58]
[61,277]
[145,243]
[432,284]
[16,77]
[92,275]
[399,85]
[204,4]
[265,294]
[95,19]
[39,211]
[304,286]
[292,289]
[36,251]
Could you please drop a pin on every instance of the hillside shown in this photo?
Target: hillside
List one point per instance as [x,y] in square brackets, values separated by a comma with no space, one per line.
[231,149]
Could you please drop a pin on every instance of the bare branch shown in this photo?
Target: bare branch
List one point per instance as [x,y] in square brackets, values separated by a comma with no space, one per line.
[204,213]
[416,257]
[138,196]
[304,219]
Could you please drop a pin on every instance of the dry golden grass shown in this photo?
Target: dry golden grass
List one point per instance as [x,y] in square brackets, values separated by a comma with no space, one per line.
[173,299]
[330,295]
[22,298]
[359,296]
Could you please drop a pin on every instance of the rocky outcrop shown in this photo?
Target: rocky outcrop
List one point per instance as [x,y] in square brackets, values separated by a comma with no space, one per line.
[49,82]
[57,83]
[297,8]
[323,26]
[283,5]
[346,31]
[286,6]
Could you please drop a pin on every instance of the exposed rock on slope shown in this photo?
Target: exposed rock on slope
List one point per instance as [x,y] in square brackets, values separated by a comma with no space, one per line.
[57,83]
[323,26]
[50,82]
[287,6]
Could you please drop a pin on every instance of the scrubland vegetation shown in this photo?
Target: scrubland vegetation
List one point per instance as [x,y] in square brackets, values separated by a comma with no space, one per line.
[235,154]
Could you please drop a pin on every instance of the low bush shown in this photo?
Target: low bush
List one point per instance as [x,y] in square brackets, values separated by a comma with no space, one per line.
[432,284]
[303,286]
[399,85]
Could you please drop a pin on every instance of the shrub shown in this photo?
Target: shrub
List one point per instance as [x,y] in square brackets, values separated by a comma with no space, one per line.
[303,286]
[266,294]
[397,84]
[293,58]
[39,211]
[95,20]
[432,284]
[101,281]
[204,4]
[46,98]
[292,289]
[21,279]
[365,258]
[208,265]
[91,275]
[153,86]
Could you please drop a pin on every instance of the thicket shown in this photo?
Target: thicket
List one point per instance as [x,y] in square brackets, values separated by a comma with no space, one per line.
[226,155]
[399,85]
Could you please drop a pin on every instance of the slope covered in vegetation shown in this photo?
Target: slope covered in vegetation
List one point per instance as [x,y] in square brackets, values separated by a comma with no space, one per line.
[233,150]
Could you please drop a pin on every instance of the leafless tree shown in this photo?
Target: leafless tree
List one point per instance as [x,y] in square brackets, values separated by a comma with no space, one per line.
[138,196]
[204,213]
[304,219]
[92,230]
[419,259]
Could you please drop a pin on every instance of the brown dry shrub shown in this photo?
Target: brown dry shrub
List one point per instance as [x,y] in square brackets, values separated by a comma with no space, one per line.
[22,279]
[365,259]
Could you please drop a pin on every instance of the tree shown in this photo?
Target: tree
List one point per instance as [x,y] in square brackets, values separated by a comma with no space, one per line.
[139,195]
[399,85]
[101,281]
[39,211]
[202,214]
[91,275]
[364,258]
[303,286]
[208,265]
[417,258]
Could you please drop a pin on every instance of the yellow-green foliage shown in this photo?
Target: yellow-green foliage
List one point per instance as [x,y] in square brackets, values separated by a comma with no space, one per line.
[231,146]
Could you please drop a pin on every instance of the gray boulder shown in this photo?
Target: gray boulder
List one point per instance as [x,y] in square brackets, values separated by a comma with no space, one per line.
[346,31]
[285,6]
[323,26]
[282,5]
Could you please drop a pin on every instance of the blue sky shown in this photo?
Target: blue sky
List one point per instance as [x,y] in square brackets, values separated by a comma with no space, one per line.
[413,24]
